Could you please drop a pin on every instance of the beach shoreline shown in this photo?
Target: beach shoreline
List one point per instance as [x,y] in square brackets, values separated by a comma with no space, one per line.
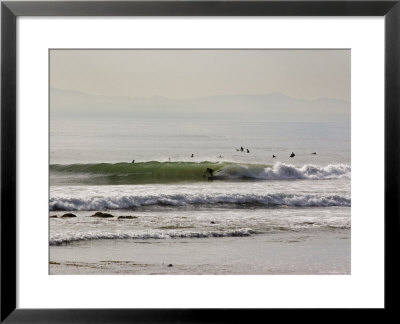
[310,252]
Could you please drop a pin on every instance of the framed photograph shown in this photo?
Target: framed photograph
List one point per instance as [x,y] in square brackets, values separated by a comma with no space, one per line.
[194,158]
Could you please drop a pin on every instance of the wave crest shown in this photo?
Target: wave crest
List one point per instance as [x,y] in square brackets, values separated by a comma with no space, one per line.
[166,172]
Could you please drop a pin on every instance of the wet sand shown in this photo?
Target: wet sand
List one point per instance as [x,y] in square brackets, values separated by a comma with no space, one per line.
[307,252]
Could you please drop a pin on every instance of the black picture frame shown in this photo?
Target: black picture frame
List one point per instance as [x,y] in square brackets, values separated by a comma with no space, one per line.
[11,10]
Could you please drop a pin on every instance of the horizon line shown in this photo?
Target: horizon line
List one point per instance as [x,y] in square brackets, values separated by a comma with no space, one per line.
[198,97]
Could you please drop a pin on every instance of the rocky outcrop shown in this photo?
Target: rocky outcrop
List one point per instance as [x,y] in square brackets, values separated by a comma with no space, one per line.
[102,215]
[68,215]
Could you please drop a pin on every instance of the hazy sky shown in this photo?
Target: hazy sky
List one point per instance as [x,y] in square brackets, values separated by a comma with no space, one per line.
[306,74]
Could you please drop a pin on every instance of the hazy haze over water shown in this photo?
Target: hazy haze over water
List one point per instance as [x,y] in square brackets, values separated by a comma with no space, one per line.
[179,74]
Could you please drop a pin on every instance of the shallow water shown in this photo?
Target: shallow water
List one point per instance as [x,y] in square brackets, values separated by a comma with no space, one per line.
[282,253]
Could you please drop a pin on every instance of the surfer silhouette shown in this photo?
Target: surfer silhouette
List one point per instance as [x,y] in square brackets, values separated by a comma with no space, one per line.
[241,149]
[210,171]
[247,151]
[273,156]
[192,155]
[292,155]
[315,153]
[133,161]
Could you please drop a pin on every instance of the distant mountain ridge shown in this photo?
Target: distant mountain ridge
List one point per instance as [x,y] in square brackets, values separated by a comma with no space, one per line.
[272,106]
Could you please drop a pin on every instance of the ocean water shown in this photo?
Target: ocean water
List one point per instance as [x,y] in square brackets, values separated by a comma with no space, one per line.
[87,140]
[166,194]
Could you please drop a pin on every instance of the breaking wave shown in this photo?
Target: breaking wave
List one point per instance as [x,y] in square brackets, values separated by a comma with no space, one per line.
[157,172]
[56,239]
[132,202]
[281,171]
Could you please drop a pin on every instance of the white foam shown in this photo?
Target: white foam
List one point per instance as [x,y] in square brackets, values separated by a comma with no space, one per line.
[67,237]
[282,171]
[133,201]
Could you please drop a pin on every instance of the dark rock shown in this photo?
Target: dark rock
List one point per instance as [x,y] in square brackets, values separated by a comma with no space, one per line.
[170,265]
[127,217]
[68,215]
[102,215]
